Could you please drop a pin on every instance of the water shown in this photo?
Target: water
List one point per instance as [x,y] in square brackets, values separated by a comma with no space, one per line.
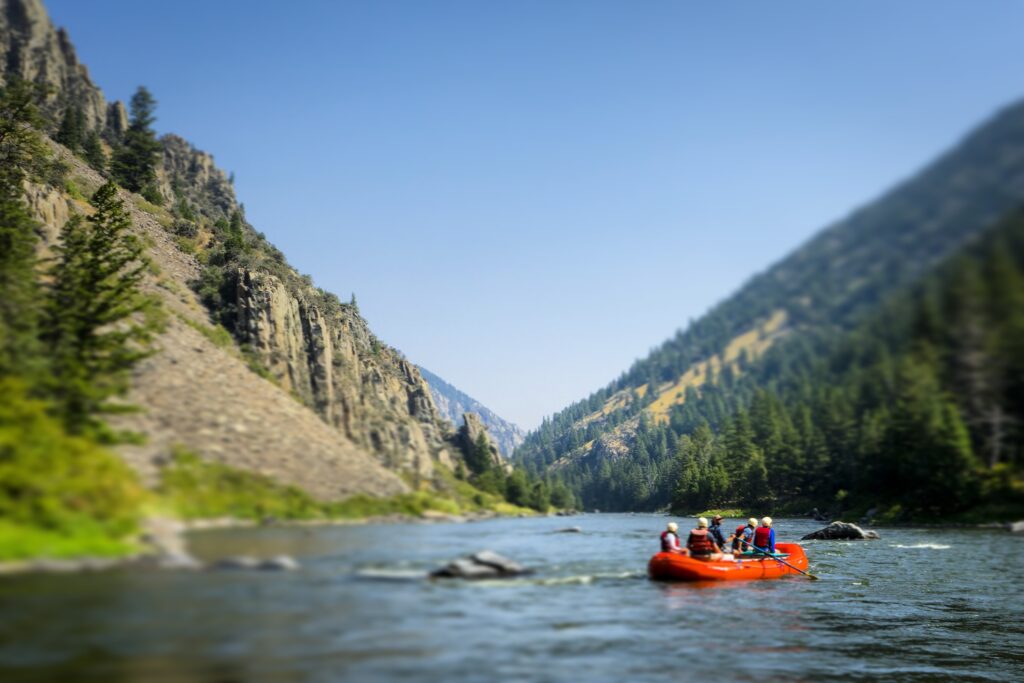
[917,605]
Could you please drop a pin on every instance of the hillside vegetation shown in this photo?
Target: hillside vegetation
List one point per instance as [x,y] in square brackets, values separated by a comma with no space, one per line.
[628,435]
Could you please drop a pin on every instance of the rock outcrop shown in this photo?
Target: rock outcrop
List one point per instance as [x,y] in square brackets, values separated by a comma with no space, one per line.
[329,359]
[453,404]
[36,51]
[472,429]
[841,531]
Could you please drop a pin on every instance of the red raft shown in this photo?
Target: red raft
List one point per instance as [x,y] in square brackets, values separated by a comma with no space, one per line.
[676,567]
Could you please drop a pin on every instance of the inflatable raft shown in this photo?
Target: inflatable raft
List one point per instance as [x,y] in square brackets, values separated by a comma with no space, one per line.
[675,567]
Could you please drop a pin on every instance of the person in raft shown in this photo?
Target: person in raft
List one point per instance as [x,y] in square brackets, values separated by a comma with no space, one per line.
[700,543]
[716,533]
[670,539]
[764,536]
[744,536]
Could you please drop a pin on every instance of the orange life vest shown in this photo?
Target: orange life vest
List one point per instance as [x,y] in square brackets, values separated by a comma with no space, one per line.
[699,543]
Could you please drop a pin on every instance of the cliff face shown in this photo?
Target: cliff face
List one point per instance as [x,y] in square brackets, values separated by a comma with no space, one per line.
[336,411]
[333,363]
[36,51]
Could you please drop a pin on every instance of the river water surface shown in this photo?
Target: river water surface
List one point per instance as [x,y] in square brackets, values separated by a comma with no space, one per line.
[917,605]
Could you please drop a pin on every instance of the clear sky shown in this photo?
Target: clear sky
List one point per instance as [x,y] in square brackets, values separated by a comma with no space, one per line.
[527,196]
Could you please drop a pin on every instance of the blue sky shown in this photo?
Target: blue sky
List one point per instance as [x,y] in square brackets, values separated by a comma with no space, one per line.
[527,196]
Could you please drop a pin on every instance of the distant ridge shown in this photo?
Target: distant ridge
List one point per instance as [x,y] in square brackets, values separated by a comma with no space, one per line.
[454,403]
[829,283]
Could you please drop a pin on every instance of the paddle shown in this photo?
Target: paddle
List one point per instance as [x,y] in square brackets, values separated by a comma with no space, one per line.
[768,554]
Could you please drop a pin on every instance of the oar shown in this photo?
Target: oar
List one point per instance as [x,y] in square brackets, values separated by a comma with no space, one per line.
[777,559]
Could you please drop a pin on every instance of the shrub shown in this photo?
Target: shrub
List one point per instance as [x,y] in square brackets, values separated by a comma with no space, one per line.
[57,483]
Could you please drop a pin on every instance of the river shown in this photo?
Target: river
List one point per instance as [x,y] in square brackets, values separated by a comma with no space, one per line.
[916,605]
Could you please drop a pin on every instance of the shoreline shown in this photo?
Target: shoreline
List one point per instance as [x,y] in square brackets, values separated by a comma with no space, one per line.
[164,544]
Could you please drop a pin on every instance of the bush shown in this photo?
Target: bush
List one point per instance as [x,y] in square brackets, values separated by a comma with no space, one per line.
[59,484]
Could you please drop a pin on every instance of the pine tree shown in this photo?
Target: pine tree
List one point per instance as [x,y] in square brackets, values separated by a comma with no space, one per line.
[99,324]
[134,162]
[71,133]
[21,150]
[92,152]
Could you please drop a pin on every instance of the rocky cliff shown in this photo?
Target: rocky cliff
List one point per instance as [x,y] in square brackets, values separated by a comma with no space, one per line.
[34,50]
[453,404]
[304,391]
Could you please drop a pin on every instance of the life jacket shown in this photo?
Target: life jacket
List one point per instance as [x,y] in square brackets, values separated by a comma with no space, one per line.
[737,536]
[699,543]
[666,541]
[762,537]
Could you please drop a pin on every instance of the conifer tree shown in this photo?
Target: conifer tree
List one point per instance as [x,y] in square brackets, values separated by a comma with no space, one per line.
[92,152]
[71,133]
[99,323]
[21,153]
[134,162]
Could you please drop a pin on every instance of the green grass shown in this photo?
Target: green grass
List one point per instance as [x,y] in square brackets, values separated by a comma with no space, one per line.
[200,489]
[60,494]
[188,245]
[220,337]
[73,191]
[195,488]
[158,212]
[22,542]
[729,513]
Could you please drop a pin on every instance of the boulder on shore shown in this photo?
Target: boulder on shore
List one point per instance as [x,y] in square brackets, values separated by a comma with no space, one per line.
[1015,527]
[485,564]
[841,531]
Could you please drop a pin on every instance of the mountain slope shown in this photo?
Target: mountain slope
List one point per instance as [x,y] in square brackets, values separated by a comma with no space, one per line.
[453,404]
[830,282]
[257,368]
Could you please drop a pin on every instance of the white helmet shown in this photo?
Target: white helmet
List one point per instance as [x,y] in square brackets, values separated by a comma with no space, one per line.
[752,521]
[767,521]
[702,523]
[672,526]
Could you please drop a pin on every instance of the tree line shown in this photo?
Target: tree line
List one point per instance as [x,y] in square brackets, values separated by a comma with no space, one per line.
[485,470]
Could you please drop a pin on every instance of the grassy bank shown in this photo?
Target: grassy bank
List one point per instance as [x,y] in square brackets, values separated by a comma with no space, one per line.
[91,505]
[193,488]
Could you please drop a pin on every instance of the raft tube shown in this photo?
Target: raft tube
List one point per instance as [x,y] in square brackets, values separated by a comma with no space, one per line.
[676,567]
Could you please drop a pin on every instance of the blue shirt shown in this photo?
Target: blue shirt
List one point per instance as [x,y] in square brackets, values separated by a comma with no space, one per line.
[715,531]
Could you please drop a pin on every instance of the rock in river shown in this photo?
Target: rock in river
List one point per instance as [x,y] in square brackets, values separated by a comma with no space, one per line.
[278,563]
[840,531]
[482,565]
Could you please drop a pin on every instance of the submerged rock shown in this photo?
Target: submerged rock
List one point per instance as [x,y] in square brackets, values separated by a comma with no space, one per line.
[485,564]
[278,563]
[570,530]
[841,531]
[177,560]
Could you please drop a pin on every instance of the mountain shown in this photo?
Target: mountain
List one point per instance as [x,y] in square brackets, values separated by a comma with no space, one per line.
[828,285]
[454,404]
[256,368]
